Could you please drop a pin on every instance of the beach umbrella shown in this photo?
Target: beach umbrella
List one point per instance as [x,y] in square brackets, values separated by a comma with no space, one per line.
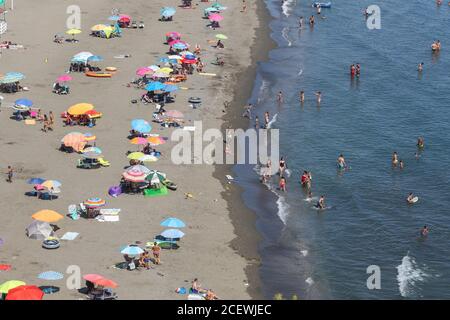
[160,75]
[215,17]
[134,175]
[221,36]
[91,155]
[75,140]
[155,177]
[132,250]
[180,46]
[139,141]
[174,114]
[99,27]
[218,6]
[9,285]
[82,56]
[106,283]
[25,292]
[148,158]
[154,86]
[154,67]
[172,234]
[141,168]
[35,181]
[51,275]
[47,216]
[39,230]
[73,31]
[174,41]
[211,9]
[64,78]
[144,71]
[141,125]
[166,70]
[92,277]
[93,114]
[92,149]
[94,203]
[173,223]
[124,19]
[167,12]
[174,57]
[51,184]
[11,77]
[170,88]
[23,102]
[173,35]
[80,108]
[95,59]
[156,141]
[135,155]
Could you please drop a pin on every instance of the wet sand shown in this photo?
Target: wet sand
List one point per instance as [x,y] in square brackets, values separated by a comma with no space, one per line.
[210,250]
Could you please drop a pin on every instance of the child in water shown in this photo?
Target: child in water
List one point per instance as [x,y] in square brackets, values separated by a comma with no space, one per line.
[282,184]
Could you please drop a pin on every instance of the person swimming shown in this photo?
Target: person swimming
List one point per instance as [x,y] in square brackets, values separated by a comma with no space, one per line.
[341,162]
[394,159]
[319,97]
[420,67]
[280,98]
[352,70]
[411,198]
[321,203]
[420,142]
[424,232]
[305,179]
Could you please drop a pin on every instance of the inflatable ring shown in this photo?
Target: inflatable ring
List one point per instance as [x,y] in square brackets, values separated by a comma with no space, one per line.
[50,244]
[195,100]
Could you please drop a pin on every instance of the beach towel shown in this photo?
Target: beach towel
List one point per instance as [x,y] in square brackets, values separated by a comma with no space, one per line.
[189,128]
[70,236]
[31,122]
[195,297]
[110,212]
[107,218]
[5,267]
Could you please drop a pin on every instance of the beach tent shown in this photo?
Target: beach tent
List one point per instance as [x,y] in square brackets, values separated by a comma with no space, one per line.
[39,230]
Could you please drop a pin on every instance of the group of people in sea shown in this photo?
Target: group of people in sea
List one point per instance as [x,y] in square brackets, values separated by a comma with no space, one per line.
[355,70]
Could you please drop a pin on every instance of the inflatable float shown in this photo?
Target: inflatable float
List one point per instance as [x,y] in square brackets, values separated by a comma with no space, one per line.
[98,74]
[322,4]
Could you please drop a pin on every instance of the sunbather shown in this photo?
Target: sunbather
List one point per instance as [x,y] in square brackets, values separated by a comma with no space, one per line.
[156,250]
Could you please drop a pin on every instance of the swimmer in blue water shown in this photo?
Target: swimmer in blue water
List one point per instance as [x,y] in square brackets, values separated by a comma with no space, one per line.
[341,162]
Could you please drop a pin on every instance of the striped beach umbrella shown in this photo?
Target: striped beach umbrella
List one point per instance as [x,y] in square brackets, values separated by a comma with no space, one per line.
[134,175]
[94,203]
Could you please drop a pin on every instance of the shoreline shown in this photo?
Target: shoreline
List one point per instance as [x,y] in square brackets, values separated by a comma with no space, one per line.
[243,219]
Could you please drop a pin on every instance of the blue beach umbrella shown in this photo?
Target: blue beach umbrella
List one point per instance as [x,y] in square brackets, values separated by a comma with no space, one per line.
[132,250]
[163,59]
[23,102]
[156,85]
[168,11]
[50,275]
[180,46]
[172,234]
[11,77]
[141,126]
[170,88]
[173,223]
[95,58]
[36,181]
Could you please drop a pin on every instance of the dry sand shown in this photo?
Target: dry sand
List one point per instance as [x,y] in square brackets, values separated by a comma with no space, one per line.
[205,250]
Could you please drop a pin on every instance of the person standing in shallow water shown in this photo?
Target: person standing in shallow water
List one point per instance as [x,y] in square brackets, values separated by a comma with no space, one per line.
[318,97]
[302,97]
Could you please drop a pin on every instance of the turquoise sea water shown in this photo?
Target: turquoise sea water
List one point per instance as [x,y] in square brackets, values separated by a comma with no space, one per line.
[325,254]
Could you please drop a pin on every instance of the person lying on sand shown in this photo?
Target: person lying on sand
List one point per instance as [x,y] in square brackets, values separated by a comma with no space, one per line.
[210,295]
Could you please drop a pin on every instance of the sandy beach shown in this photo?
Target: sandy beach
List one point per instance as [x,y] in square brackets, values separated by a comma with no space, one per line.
[220,246]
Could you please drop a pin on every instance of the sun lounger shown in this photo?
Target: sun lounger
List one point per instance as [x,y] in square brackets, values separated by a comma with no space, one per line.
[103,162]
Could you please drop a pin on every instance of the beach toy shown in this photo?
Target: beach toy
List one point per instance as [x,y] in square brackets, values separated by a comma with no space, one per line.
[115,191]
[50,243]
[181,290]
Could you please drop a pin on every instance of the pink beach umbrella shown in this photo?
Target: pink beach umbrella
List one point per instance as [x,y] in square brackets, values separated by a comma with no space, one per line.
[134,175]
[144,71]
[64,78]
[215,17]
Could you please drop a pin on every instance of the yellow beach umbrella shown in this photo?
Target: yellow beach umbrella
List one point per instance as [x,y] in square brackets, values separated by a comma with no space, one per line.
[165,70]
[135,155]
[11,284]
[108,31]
[47,216]
[99,27]
[73,32]
[80,108]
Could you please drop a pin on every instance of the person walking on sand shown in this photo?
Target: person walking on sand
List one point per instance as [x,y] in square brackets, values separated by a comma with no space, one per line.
[51,120]
[156,250]
[45,123]
[244,6]
[10,173]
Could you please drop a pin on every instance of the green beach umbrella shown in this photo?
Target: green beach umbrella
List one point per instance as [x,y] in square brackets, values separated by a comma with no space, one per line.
[221,36]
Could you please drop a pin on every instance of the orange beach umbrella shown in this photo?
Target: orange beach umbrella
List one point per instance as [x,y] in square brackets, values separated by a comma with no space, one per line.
[79,109]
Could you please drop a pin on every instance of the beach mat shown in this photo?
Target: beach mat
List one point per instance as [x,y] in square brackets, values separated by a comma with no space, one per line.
[155,192]
[70,236]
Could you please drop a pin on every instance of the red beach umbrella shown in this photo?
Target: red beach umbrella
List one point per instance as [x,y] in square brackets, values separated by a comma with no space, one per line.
[25,293]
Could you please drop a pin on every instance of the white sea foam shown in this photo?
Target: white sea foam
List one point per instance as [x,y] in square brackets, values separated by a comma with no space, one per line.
[263,90]
[285,35]
[304,252]
[409,275]
[287,7]
[283,209]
